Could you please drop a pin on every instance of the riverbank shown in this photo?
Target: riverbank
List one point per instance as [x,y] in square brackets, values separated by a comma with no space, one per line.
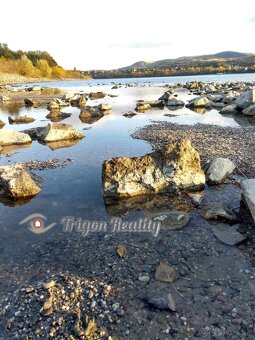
[8,78]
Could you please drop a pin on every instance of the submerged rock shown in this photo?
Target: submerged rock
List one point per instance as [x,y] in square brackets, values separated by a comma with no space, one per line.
[55,132]
[11,137]
[175,166]
[152,103]
[21,119]
[228,234]
[16,182]
[4,98]
[129,114]
[171,220]
[218,211]
[218,170]
[248,194]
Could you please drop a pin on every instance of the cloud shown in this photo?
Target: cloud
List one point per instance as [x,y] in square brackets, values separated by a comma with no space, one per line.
[142,44]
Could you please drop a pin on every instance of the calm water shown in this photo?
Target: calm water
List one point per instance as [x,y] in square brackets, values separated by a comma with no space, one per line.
[76,189]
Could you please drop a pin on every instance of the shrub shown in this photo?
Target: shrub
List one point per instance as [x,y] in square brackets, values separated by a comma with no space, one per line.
[44,68]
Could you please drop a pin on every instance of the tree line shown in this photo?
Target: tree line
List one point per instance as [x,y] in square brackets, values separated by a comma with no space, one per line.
[33,64]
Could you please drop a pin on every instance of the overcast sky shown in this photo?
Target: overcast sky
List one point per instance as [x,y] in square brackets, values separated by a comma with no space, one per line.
[107,34]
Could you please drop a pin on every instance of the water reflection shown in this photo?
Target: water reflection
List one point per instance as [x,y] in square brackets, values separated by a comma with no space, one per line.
[11,149]
[147,203]
[12,107]
[199,110]
[62,144]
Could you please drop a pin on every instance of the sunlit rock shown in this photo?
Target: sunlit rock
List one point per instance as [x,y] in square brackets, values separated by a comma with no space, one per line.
[16,182]
[55,132]
[176,166]
[11,137]
[248,194]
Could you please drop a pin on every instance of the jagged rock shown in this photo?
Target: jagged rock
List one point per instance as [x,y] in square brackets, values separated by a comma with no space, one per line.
[31,102]
[165,96]
[1,123]
[218,170]
[229,109]
[248,194]
[16,182]
[218,211]
[55,132]
[175,166]
[230,97]
[228,234]
[246,99]
[250,111]
[199,102]
[21,119]
[97,95]
[4,98]
[11,137]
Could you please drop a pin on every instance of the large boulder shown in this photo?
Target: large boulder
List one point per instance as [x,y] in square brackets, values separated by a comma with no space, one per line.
[176,166]
[246,99]
[16,182]
[218,170]
[10,137]
[248,194]
[55,132]
[250,111]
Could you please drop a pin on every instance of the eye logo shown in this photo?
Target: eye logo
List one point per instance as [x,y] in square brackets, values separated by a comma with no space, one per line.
[36,223]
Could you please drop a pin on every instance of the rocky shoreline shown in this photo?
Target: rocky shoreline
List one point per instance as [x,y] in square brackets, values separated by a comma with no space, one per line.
[194,279]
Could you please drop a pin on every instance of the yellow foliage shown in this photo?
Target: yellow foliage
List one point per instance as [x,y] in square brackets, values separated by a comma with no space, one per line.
[58,72]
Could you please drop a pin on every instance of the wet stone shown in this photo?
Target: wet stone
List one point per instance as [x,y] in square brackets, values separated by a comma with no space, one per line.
[162,302]
[228,234]
[172,220]
[218,211]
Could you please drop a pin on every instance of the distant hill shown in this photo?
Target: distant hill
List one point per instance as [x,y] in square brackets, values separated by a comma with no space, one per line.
[186,61]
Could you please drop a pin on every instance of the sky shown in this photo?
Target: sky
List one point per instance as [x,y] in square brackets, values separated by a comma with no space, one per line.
[108,34]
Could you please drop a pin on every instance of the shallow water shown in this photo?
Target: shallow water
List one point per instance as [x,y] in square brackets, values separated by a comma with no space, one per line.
[76,189]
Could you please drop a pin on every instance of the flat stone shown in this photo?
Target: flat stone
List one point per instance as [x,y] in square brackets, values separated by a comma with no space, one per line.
[171,220]
[166,273]
[21,119]
[228,234]
[248,194]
